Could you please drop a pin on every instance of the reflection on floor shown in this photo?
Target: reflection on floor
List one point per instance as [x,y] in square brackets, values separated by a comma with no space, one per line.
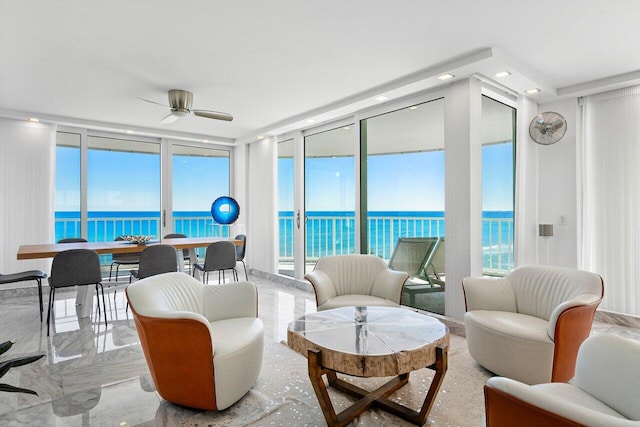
[97,375]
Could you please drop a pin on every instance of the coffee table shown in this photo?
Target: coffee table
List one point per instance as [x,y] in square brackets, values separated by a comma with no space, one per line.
[370,342]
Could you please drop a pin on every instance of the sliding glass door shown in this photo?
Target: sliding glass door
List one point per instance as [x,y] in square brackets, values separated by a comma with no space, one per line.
[123,188]
[403,205]
[287,221]
[68,191]
[329,194]
[498,180]
[200,175]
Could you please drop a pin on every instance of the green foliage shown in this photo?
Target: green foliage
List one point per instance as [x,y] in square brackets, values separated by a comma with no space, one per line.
[12,363]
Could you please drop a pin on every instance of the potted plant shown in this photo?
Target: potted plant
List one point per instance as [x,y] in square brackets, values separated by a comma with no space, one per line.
[12,363]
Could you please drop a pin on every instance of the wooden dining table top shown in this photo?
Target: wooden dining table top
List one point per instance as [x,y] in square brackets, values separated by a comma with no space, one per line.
[50,250]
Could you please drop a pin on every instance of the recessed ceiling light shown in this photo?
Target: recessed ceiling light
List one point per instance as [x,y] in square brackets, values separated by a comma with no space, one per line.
[381,98]
[446,76]
[260,136]
[503,74]
[34,119]
[130,132]
[532,91]
[413,107]
[346,128]
[205,140]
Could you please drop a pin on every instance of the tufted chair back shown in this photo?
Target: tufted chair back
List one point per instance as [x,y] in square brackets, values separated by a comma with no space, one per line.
[540,289]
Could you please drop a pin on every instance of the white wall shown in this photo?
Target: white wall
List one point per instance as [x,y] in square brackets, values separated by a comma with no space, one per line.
[27,185]
[557,189]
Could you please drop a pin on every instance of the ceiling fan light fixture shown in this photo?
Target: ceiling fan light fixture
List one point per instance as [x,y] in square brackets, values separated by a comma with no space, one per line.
[180,113]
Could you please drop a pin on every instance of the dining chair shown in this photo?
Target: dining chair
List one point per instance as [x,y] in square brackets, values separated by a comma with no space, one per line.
[240,252]
[220,256]
[75,267]
[156,259]
[123,259]
[185,252]
[24,276]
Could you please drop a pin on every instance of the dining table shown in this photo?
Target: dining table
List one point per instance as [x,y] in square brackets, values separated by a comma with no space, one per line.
[83,297]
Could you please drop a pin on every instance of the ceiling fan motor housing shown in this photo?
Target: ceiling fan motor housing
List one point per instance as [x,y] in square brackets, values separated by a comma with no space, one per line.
[180,100]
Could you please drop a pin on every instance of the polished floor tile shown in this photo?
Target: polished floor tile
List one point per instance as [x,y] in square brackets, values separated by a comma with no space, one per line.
[96,375]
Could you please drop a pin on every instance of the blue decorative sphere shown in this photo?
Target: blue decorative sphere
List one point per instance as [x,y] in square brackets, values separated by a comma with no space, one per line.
[225,210]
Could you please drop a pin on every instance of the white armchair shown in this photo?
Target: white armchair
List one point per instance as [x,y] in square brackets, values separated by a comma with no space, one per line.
[529,325]
[358,280]
[605,391]
[203,344]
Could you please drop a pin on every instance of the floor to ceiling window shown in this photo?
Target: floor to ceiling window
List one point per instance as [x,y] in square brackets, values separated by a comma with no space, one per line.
[329,194]
[68,192]
[200,175]
[287,221]
[403,161]
[498,177]
[123,188]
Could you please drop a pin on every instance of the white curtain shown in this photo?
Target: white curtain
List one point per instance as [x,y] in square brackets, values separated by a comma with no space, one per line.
[27,185]
[262,240]
[609,236]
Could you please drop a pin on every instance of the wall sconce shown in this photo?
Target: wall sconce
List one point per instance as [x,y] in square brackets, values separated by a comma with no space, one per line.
[546,231]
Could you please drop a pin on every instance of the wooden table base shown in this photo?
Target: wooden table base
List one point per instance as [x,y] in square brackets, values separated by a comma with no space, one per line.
[376,397]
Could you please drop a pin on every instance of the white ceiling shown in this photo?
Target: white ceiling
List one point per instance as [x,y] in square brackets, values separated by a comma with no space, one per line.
[273,64]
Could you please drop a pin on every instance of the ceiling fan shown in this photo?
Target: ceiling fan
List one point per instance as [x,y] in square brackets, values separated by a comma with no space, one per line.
[180,104]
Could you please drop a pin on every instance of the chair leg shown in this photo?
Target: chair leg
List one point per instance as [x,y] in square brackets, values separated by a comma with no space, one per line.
[104,305]
[246,276]
[52,295]
[40,296]
[117,271]
[110,271]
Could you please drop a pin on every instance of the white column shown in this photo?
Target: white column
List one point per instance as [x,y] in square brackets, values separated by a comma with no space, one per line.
[463,189]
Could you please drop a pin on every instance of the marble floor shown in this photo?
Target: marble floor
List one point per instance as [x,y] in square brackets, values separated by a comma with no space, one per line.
[96,375]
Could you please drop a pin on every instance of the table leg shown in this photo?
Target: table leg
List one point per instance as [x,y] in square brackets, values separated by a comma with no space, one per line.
[180,260]
[377,397]
[84,298]
[193,260]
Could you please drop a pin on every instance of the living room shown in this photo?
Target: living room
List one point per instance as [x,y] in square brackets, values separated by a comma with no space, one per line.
[286,71]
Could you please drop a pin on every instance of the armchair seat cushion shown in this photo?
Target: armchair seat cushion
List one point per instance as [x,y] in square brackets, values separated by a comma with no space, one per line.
[571,394]
[528,349]
[236,344]
[357,301]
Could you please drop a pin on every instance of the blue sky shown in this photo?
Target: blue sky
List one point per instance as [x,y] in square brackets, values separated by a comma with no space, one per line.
[404,182]
[398,182]
[120,181]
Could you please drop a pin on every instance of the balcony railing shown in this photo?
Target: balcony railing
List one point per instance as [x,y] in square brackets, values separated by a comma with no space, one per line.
[327,233]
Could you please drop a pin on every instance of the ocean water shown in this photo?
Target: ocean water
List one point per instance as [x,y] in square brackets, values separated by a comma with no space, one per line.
[328,232]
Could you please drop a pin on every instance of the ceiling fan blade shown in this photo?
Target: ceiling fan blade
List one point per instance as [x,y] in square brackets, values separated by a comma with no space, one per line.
[153,102]
[169,119]
[213,115]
